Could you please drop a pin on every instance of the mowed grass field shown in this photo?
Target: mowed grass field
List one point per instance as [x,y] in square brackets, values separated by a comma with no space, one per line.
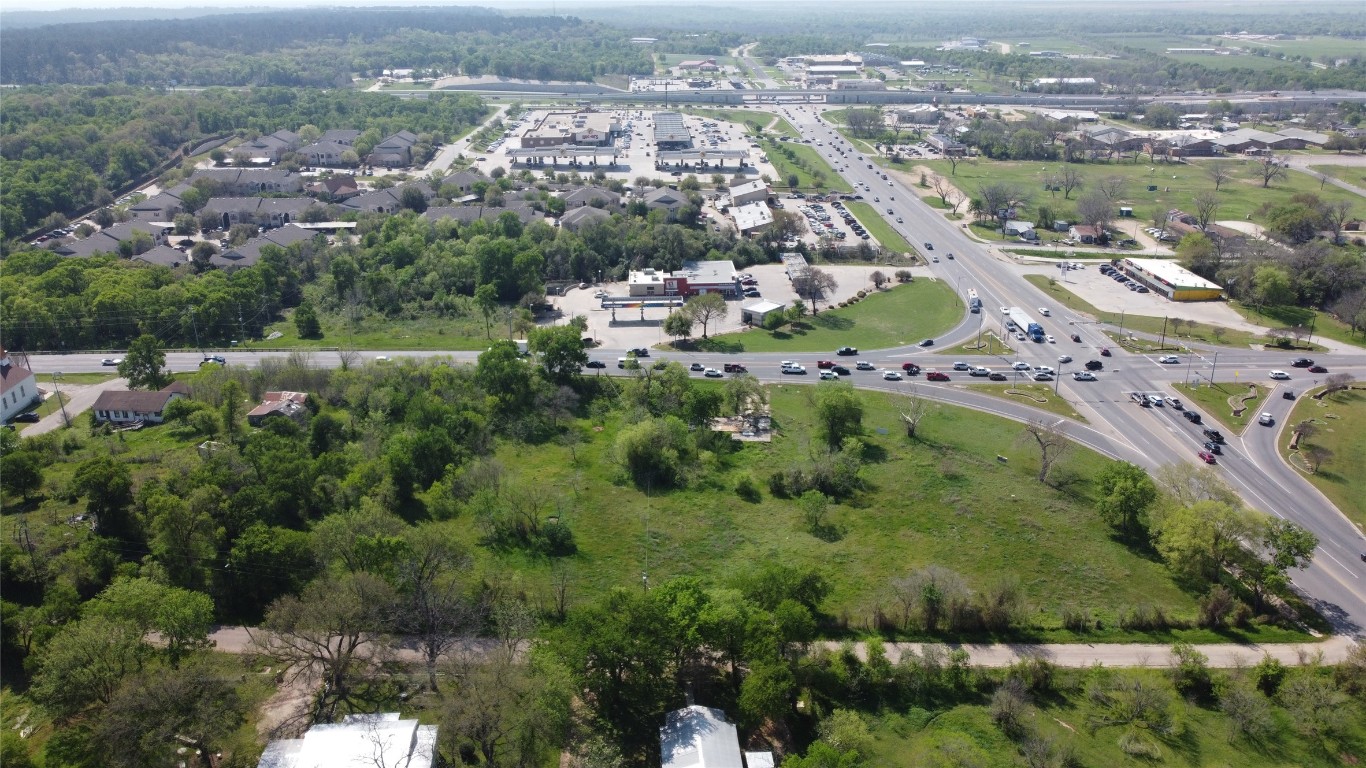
[1177,185]
[942,498]
[805,176]
[903,314]
[1340,419]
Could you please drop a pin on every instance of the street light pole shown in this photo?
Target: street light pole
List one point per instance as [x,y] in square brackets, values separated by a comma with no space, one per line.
[56,375]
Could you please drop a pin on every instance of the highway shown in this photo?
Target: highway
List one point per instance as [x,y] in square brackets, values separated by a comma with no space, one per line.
[1150,437]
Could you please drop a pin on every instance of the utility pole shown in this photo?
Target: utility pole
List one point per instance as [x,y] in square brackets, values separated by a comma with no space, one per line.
[56,375]
[1214,367]
[1163,343]
[194,325]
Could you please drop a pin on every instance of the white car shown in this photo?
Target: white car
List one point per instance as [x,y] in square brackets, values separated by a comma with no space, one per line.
[111,361]
[1021,366]
[1281,375]
[1043,369]
[712,373]
[891,376]
[1005,310]
[1044,311]
[1266,419]
[381,358]
[1083,376]
[864,365]
[1064,358]
[1169,359]
[1049,338]
[828,376]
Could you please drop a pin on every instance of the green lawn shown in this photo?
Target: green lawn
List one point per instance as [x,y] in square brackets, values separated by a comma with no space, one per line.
[943,498]
[1199,333]
[740,117]
[1177,185]
[894,317]
[1214,400]
[782,127]
[879,228]
[466,333]
[1352,174]
[806,176]
[1323,324]
[1340,420]
[1033,394]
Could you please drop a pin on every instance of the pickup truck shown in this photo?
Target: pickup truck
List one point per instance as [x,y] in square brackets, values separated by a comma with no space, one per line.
[735,368]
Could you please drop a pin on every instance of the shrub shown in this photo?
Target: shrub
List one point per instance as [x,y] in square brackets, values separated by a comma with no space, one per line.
[1144,618]
[747,489]
[1077,619]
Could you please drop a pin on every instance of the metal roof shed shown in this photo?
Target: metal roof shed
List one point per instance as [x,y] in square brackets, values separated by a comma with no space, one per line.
[699,737]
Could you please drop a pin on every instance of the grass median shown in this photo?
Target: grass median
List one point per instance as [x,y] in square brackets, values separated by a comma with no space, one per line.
[1329,456]
[1033,394]
[1214,399]
[878,227]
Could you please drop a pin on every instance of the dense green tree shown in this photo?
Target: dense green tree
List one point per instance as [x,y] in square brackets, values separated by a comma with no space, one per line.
[1126,493]
[153,716]
[107,484]
[21,472]
[839,412]
[87,662]
[306,322]
[144,364]
[559,349]
[655,451]
[505,376]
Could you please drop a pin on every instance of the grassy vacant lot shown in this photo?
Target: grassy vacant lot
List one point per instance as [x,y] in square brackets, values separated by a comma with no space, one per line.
[740,117]
[1324,325]
[1176,185]
[805,176]
[879,228]
[1352,174]
[942,498]
[900,315]
[1035,395]
[1214,400]
[1340,420]
[1201,333]
[386,333]
[966,734]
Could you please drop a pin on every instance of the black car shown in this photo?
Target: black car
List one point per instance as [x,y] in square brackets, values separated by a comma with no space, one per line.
[847,351]
[1213,435]
[641,352]
[1094,365]
[1213,448]
[27,418]
[927,342]
[214,359]
[1301,362]
[596,364]
[1191,416]
[998,376]
[841,370]
[929,246]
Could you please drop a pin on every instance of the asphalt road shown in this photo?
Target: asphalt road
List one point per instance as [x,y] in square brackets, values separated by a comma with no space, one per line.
[1149,437]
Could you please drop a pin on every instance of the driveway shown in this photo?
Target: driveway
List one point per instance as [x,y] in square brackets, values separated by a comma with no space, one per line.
[79,398]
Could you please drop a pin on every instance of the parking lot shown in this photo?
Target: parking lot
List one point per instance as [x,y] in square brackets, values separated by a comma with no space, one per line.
[630,330]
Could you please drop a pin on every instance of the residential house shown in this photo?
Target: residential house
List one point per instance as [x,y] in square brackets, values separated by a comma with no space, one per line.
[159,207]
[334,189]
[163,255]
[268,147]
[18,387]
[108,240]
[700,737]
[290,405]
[376,741]
[343,136]
[465,180]
[326,153]
[665,198]
[587,195]
[394,151]
[1086,234]
[1021,229]
[578,218]
[249,253]
[1190,146]
[386,200]
[250,181]
[126,407]
[261,211]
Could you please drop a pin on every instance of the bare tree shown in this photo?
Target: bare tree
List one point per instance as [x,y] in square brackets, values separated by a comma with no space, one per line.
[878,278]
[1315,456]
[1270,169]
[954,160]
[1206,205]
[1096,210]
[705,308]
[1052,442]
[1113,187]
[1071,181]
[1350,308]
[1338,381]
[1336,214]
[913,413]
[432,606]
[1219,172]
[942,187]
[814,284]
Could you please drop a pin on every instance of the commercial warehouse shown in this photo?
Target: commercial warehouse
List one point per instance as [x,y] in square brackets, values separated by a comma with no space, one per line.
[670,132]
[1171,280]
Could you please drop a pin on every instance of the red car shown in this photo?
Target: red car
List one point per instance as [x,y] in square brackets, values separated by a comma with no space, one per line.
[825,364]
[1207,457]
[910,368]
[936,376]
[1317,369]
